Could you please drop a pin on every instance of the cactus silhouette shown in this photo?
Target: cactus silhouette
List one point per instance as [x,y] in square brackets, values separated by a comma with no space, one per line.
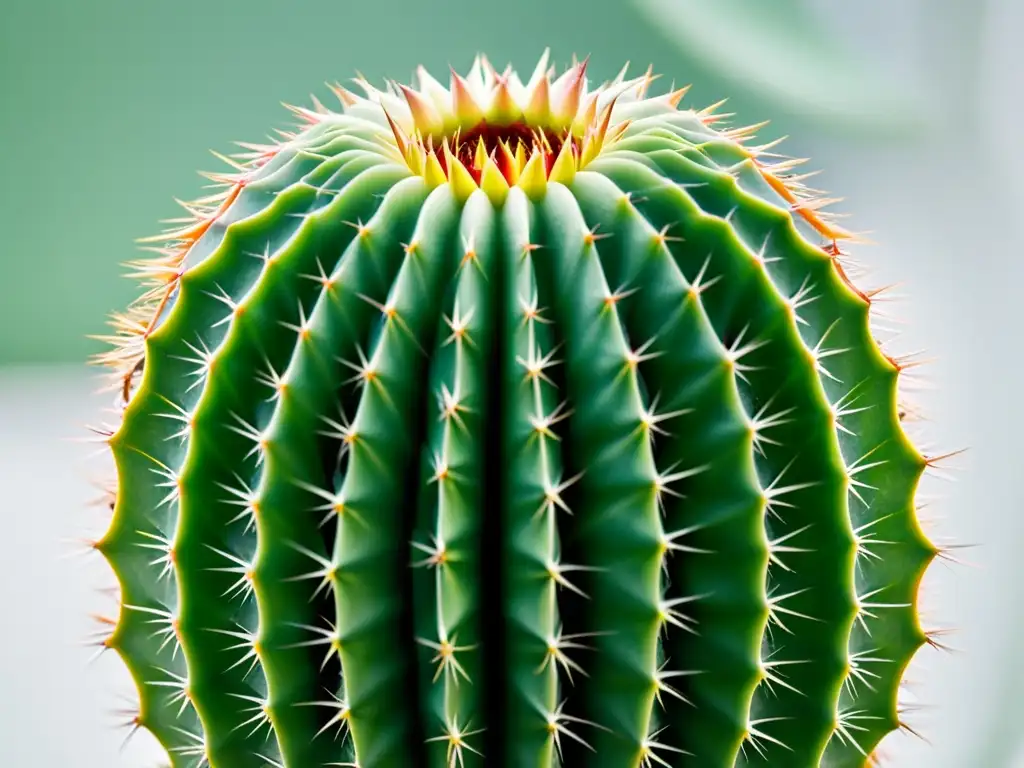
[511,423]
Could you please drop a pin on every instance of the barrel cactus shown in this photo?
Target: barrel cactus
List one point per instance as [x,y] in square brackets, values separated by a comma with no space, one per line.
[514,424]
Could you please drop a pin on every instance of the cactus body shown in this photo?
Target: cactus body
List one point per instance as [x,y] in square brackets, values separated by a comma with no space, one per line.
[520,424]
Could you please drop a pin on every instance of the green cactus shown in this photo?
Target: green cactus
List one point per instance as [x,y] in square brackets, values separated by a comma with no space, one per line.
[525,424]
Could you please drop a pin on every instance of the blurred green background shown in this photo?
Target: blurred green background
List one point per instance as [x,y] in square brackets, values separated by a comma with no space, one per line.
[108,109]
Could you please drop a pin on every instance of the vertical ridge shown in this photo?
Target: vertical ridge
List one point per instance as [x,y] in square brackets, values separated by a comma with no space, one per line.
[529,546]
[617,523]
[448,594]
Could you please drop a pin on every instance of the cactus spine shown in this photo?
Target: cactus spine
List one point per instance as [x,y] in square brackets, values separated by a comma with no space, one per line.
[525,424]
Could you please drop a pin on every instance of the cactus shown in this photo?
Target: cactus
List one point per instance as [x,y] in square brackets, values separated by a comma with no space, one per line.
[507,423]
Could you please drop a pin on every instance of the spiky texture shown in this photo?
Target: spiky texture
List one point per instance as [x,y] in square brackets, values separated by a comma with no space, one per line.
[511,424]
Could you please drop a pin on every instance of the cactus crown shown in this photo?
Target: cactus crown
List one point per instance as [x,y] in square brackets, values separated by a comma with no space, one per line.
[495,130]
[511,424]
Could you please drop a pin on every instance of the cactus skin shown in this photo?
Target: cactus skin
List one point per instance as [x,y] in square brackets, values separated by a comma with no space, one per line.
[574,450]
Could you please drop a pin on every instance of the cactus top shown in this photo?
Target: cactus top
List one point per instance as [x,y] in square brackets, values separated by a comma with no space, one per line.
[491,130]
[486,130]
[511,424]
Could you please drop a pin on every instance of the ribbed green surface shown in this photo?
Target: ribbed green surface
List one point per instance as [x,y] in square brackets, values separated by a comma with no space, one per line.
[607,475]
